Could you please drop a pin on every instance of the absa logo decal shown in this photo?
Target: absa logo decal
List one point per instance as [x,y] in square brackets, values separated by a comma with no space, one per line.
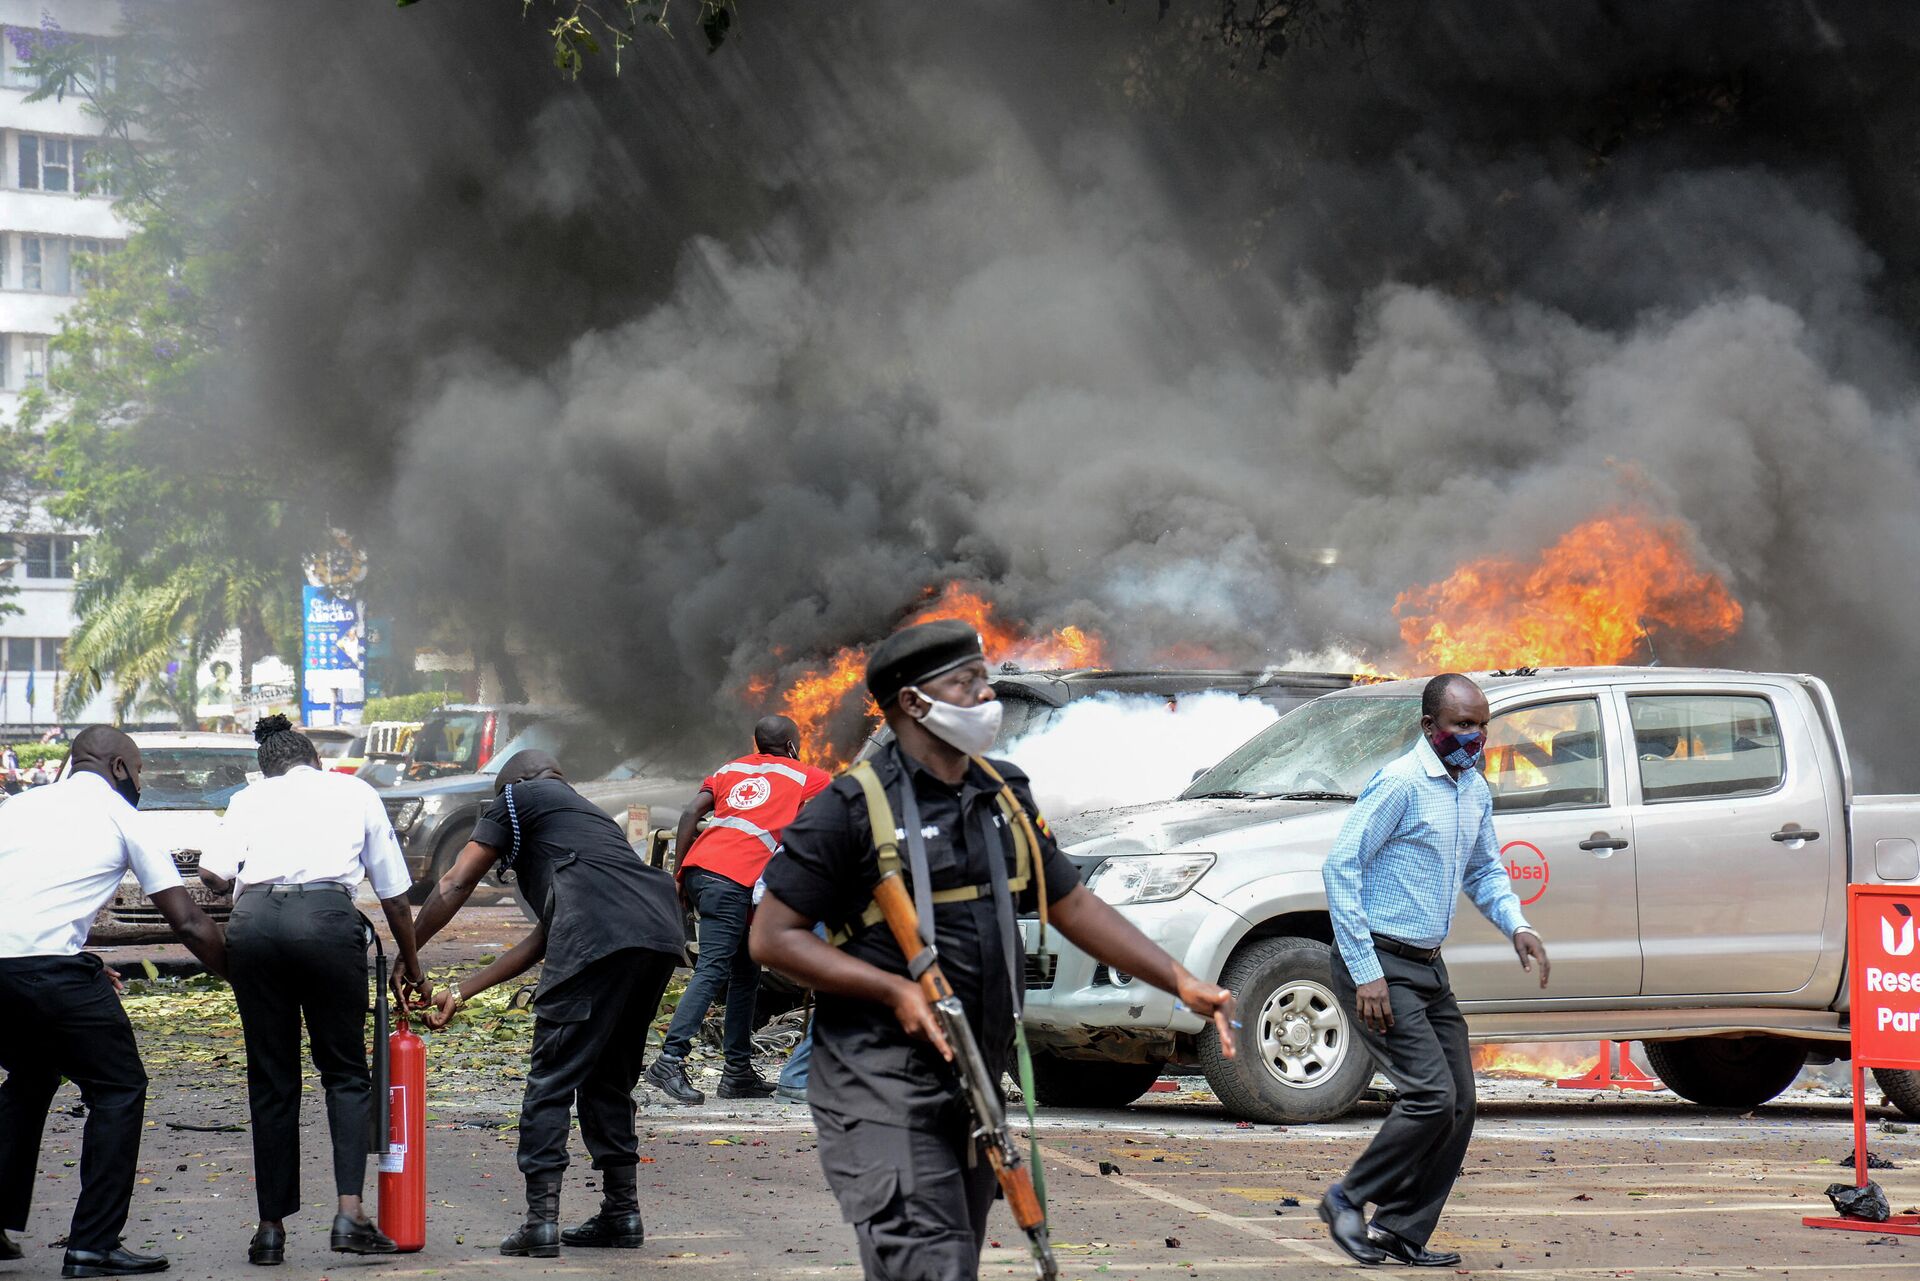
[1903,944]
[1527,869]
[749,793]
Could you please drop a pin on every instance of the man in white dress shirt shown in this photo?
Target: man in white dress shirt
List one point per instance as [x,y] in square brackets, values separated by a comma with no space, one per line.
[63,851]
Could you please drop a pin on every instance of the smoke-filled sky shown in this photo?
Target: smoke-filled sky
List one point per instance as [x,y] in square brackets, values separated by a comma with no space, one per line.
[714,366]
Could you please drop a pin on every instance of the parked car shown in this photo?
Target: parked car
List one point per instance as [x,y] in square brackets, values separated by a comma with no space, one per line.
[463,737]
[187,782]
[342,747]
[1682,839]
[384,760]
[435,819]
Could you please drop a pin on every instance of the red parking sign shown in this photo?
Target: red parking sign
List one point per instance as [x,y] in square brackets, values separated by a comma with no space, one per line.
[1883,960]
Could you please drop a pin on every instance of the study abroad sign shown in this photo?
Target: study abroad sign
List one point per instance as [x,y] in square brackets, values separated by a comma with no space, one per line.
[1883,962]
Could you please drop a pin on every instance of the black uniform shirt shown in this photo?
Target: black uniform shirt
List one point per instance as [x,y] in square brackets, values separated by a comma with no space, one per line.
[864,1066]
[595,895]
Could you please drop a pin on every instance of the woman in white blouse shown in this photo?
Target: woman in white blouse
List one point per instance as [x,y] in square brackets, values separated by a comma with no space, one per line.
[294,846]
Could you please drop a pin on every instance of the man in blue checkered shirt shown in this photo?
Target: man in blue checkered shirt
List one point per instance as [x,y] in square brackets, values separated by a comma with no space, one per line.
[1419,836]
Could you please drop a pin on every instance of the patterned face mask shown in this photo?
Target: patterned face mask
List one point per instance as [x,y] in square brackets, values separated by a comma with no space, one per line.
[1460,751]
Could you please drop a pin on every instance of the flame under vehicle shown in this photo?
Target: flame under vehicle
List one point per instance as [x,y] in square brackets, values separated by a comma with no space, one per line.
[1681,838]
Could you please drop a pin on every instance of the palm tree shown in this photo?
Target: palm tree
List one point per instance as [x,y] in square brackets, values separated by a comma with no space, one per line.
[150,624]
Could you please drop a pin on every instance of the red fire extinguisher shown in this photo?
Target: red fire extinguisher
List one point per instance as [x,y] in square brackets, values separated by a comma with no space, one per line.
[403,1169]
[400,1075]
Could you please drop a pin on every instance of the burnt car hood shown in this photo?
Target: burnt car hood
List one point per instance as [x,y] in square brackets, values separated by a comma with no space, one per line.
[1215,825]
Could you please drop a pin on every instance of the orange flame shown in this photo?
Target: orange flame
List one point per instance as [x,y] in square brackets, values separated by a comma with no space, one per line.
[1592,598]
[815,698]
[1546,1060]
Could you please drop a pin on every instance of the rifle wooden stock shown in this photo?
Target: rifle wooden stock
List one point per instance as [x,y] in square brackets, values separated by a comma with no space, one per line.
[1016,1181]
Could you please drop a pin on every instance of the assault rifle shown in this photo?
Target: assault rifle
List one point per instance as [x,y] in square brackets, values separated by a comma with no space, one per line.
[983,1093]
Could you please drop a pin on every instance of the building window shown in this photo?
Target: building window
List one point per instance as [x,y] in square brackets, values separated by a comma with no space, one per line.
[48,555]
[20,654]
[46,164]
[33,359]
[32,272]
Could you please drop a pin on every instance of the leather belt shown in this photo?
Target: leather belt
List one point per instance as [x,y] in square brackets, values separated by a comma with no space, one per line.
[1424,955]
[311,887]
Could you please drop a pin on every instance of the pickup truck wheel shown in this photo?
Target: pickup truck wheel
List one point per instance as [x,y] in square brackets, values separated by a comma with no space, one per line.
[1090,1083]
[1903,1089]
[1299,1059]
[1737,1072]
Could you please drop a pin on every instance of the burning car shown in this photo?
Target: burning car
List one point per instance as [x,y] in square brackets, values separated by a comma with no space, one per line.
[187,783]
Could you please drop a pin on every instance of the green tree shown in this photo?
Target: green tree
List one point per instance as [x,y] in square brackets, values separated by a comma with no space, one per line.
[134,436]
[582,29]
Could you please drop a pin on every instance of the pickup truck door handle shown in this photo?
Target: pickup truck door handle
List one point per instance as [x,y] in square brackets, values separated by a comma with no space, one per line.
[1795,834]
[1600,841]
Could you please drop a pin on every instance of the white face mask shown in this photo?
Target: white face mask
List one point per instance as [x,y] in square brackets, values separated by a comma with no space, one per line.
[966,729]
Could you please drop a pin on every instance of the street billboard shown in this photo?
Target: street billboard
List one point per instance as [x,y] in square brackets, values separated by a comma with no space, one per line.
[333,688]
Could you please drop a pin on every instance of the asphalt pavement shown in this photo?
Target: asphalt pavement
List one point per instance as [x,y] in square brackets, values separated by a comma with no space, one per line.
[1557,1184]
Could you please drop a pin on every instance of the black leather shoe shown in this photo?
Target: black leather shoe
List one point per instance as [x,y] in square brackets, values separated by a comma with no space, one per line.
[350,1236]
[1348,1228]
[669,1076]
[1401,1250]
[8,1250]
[745,1087]
[608,1231]
[111,1263]
[268,1247]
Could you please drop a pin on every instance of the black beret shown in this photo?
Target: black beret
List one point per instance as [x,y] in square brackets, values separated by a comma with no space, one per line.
[918,653]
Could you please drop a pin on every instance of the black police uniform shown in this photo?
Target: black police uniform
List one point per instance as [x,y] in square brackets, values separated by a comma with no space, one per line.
[614,935]
[893,1125]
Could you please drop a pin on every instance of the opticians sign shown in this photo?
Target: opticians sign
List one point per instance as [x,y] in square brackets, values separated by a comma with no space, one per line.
[1884,961]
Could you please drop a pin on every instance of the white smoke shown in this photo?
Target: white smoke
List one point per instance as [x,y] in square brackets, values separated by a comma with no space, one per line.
[1116,749]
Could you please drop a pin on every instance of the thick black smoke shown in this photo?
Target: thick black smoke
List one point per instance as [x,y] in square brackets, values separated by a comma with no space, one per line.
[687,375]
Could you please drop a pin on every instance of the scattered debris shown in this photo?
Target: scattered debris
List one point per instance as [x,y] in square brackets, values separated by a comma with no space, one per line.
[1173,1243]
[1868,1203]
[207,1129]
[1874,1160]
[1290,1200]
[1108,1167]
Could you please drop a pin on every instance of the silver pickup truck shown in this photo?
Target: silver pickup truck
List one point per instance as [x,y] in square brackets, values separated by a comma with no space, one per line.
[1681,838]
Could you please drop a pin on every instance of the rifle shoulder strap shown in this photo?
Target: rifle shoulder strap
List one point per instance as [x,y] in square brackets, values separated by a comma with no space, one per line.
[1029,857]
[886,848]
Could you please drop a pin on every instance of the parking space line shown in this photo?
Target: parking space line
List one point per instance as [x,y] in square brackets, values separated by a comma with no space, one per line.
[1253,1227]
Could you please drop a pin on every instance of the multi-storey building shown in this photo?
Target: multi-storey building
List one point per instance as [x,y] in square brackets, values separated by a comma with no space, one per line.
[54,214]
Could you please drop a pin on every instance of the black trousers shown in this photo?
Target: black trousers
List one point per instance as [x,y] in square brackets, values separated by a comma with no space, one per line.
[294,956]
[589,1044]
[60,1017]
[917,1197]
[1409,1169]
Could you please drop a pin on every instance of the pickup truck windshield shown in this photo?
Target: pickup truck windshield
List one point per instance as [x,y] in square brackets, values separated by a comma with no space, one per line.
[1328,748]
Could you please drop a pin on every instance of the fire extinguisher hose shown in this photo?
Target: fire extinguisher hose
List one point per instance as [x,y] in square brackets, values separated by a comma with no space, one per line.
[377,1128]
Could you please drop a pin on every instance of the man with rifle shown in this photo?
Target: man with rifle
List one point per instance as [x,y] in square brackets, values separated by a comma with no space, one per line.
[919,861]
